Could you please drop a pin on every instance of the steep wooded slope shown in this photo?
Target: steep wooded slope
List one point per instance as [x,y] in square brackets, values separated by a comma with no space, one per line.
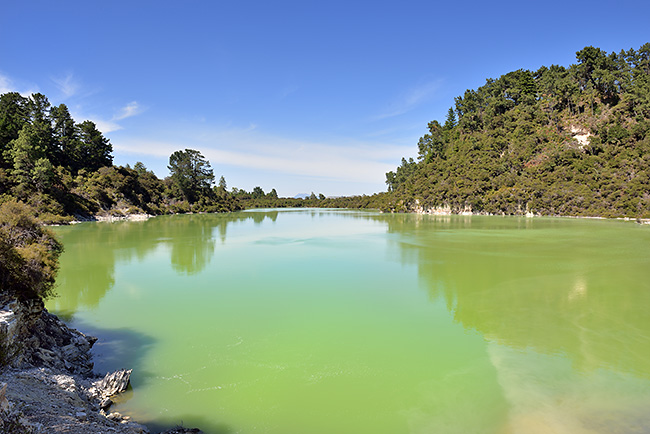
[556,141]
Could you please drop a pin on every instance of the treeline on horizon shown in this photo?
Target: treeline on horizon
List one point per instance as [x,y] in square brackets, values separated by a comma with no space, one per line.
[63,170]
[557,141]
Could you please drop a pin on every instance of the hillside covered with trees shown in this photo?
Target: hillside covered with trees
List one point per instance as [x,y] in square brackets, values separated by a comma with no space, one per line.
[556,141]
[64,169]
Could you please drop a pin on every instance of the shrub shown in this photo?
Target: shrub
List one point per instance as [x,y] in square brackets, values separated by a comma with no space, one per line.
[28,254]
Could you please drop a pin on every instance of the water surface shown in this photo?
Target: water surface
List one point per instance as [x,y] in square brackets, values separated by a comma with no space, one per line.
[325,321]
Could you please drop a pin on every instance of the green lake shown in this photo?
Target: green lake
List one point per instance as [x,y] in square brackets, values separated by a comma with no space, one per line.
[329,321]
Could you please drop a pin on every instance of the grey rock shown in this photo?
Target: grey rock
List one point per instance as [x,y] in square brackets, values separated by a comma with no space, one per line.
[115,416]
[114,382]
[181,430]
[105,403]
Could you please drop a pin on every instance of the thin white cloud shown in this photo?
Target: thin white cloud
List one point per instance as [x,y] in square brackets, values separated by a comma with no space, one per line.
[5,84]
[105,126]
[129,110]
[245,148]
[110,125]
[410,99]
[67,85]
[8,85]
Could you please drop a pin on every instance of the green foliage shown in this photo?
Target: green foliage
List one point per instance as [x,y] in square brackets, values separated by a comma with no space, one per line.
[28,253]
[222,183]
[24,152]
[450,122]
[257,193]
[271,200]
[43,174]
[191,175]
[30,128]
[14,115]
[399,178]
[64,170]
[89,150]
[432,145]
[557,141]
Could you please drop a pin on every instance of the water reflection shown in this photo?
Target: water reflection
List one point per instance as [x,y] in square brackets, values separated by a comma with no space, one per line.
[574,287]
[569,287]
[552,311]
[94,249]
[562,305]
[192,242]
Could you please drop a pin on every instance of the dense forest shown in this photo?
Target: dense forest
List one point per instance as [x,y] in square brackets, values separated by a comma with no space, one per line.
[64,169]
[556,141]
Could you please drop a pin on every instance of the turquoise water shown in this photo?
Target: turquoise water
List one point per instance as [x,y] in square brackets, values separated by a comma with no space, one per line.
[326,321]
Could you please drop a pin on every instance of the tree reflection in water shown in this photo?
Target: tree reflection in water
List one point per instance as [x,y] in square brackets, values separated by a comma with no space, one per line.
[92,250]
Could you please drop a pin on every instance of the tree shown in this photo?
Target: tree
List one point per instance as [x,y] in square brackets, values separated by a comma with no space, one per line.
[519,86]
[222,188]
[222,183]
[596,72]
[257,193]
[14,114]
[391,181]
[140,168]
[43,174]
[25,151]
[39,107]
[92,150]
[514,147]
[191,174]
[450,121]
[431,145]
[64,134]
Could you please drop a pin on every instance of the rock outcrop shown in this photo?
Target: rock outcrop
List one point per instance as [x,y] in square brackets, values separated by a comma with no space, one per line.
[39,338]
[42,400]
[114,382]
[46,380]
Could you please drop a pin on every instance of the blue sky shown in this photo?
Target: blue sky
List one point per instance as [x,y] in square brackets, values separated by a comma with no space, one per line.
[295,95]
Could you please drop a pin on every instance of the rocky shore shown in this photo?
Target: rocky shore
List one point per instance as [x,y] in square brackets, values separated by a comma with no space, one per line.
[47,383]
